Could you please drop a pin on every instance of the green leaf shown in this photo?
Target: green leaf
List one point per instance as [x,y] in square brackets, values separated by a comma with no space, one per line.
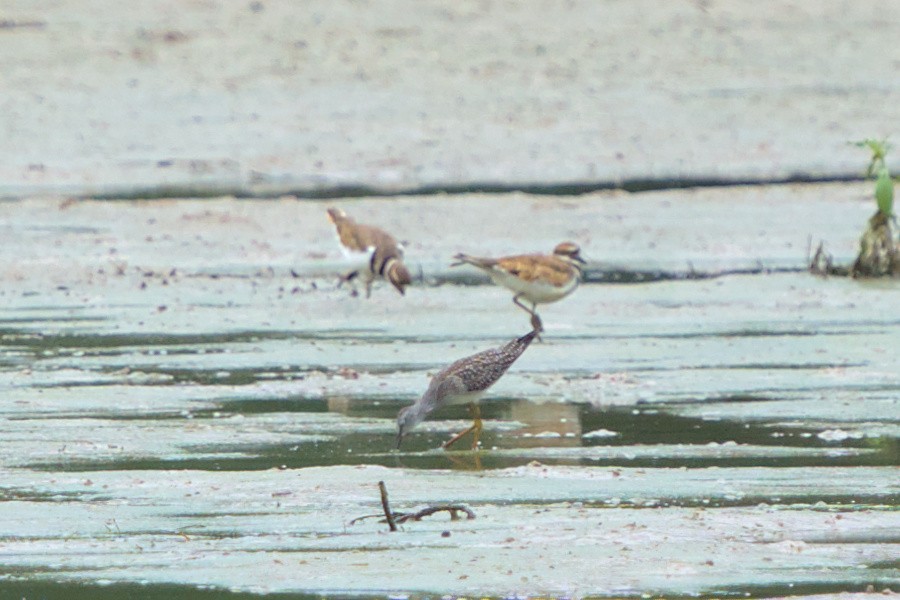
[879,150]
[884,192]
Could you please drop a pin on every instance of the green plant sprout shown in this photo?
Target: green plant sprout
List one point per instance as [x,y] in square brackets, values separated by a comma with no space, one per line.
[879,149]
[884,185]
[884,192]
[879,252]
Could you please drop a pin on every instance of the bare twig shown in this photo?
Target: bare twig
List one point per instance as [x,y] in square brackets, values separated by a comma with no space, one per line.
[364,517]
[386,506]
[453,509]
[820,263]
[392,518]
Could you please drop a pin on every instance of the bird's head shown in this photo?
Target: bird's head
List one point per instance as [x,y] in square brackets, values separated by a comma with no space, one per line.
[569,251]
[398,275]
[406,420]
[411,416]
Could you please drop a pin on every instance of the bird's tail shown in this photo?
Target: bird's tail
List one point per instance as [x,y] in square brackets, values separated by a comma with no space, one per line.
[510,353]
[336,215]
[526,339]
[475,261]
[515,348]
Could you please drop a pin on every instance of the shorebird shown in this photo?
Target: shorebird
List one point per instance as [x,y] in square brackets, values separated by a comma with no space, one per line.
[538,278]
[371,252]
[465,381]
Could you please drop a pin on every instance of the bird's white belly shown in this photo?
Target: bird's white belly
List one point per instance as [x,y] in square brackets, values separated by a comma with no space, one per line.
[464,398]
[357,261]
[536,292]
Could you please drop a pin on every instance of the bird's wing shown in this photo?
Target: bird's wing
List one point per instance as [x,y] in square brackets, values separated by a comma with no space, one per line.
[442,386]
[531,267]
[362,238]
[476,373]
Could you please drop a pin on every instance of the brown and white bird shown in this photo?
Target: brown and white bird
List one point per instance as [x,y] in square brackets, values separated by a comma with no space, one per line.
[538,278]
[370,252]
[465,381]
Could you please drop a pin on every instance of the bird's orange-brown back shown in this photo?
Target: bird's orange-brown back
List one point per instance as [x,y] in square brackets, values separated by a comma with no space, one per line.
[537,267]
[358,237]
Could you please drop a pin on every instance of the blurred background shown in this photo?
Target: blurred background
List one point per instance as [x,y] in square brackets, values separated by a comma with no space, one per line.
[327,97]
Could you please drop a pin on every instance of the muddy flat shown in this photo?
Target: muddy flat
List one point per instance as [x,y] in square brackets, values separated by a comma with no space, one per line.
[190,402]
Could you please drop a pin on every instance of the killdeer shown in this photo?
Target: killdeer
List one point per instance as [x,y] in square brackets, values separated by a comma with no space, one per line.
[465,381]
[538,278]
[371,252]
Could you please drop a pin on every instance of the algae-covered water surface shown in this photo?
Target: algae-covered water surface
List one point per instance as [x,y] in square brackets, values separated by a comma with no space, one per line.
[186,427]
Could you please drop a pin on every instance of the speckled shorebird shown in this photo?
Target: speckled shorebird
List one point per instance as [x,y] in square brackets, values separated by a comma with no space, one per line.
[465,381]
[538,278]
[371,252]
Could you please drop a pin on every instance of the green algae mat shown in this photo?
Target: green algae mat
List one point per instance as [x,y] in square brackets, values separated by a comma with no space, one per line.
[192,409]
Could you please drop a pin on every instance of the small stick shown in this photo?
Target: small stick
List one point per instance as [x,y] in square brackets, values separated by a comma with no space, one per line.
[392,518]
[453,509]
[386,506]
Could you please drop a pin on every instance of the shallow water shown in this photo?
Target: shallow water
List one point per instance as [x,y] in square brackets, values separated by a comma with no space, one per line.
[723,436]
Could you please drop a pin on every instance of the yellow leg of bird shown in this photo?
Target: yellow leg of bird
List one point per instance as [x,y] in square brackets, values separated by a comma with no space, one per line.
[477,425]
[457,437]
[475,429]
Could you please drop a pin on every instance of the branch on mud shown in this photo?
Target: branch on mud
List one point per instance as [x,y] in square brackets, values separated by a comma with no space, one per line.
[388,515]
[392,518]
